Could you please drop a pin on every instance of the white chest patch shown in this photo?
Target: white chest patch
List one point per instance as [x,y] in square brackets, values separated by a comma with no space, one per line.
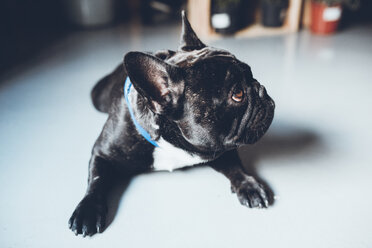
[168,157]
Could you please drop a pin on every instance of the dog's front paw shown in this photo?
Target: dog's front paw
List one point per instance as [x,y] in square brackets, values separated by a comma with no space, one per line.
[88,217]
[252,193]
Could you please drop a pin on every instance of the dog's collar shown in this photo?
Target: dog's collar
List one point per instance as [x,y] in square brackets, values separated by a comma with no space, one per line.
[141,130]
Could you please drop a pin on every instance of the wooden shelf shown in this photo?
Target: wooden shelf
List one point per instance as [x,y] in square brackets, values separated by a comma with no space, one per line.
[199,16]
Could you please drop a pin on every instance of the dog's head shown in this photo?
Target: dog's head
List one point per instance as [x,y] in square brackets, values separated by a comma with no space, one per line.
[207,94]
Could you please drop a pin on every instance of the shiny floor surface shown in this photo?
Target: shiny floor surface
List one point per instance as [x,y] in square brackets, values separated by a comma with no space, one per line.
[316,156]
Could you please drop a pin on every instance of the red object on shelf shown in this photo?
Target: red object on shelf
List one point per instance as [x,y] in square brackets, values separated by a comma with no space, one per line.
[325,19]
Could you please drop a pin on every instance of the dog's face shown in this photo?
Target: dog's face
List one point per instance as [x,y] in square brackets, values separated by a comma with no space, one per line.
[207,93]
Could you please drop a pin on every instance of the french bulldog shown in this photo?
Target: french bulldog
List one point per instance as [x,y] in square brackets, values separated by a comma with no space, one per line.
[172,109]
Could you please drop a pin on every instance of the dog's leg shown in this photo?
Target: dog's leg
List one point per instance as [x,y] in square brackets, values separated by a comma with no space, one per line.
[249,190]
[90,215]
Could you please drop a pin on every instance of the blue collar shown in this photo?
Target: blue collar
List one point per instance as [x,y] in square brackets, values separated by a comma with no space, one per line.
[141,130]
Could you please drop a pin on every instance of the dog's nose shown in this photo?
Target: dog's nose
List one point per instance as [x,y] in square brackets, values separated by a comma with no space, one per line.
[260,89]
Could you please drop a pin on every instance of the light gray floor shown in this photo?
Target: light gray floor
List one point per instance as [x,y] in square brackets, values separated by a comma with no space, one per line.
[316,156]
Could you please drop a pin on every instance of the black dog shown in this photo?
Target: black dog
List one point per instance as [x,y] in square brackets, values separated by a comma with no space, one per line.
[193,106]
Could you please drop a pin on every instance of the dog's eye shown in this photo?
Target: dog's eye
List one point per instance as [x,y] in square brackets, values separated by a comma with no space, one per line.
[238,95]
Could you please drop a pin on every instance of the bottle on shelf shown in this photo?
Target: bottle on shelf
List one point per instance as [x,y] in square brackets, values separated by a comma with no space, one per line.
[229,16]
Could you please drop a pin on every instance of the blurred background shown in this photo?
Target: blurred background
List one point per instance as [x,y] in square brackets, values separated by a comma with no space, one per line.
[314,58]
[28,27]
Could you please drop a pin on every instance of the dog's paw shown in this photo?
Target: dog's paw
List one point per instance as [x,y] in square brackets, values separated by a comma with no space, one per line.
[89,217]
[252,193]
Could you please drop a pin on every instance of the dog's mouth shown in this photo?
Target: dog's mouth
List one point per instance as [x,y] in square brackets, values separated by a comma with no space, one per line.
[261,117]
[260,124]
[255,127]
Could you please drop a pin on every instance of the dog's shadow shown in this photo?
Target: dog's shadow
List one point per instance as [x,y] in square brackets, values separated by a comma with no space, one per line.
[281,141]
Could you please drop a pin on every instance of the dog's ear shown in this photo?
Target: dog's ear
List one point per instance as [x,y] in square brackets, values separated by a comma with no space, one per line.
[189,40]
[158,82]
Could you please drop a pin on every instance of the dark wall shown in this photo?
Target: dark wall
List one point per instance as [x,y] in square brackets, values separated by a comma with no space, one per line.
[362,15]
[26,26]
